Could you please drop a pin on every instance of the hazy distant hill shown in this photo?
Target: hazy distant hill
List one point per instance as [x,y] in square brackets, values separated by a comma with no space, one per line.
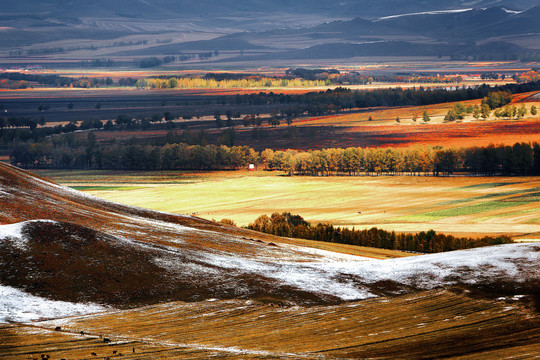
[483,33]
[283,29]
[182,8]
[476,24]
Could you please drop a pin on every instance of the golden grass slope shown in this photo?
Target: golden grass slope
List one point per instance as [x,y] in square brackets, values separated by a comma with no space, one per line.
[433,324]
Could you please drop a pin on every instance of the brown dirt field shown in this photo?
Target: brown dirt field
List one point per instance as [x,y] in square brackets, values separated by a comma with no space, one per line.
[423,325]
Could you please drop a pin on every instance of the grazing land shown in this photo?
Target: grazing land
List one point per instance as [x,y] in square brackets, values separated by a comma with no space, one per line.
[421,325]
[468,206]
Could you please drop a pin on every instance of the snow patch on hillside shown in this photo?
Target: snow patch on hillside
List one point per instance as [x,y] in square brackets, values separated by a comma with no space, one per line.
[513,12]
[325,255]
[14,232]
[349,278]
[515,262]
[308,276]
[19,306]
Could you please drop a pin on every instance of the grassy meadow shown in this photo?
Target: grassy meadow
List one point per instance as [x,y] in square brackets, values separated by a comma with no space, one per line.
[467,206]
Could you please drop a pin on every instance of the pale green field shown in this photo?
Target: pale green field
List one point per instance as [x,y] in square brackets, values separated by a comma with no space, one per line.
[457,205]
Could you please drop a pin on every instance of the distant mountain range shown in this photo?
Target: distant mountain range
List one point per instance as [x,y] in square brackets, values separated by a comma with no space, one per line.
[495,33]
[281,29]
[151,9]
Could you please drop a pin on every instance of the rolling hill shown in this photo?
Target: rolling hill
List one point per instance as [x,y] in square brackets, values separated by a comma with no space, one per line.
[486,33]
[63,253]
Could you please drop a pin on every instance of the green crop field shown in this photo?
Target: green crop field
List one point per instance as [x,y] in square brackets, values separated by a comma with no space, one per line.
[462,210]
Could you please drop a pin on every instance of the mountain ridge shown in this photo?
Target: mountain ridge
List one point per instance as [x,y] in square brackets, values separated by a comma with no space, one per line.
[173,8]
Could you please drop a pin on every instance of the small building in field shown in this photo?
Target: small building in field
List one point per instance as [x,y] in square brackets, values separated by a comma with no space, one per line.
[251,167]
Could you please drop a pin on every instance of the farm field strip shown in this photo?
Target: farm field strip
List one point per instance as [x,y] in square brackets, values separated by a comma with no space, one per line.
[423,323]
[526,212]
[461,211]
[465,205]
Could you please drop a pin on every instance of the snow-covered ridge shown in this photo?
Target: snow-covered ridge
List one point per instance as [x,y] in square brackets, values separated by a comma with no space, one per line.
[19,306]
[514,12]
[514,262]
[13,232]
[437,12]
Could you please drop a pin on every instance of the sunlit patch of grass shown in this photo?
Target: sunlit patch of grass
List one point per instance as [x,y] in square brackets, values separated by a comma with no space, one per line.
[105,188]
[461,211]
[99,177]
[509,214]
[484,186]
[531,197]
[484,197]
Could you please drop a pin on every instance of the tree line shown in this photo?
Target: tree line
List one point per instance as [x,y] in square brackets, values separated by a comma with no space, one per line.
[498,101]
[72,152]
[356,78]
[344,98]
[191,151]
[289,225]
[224,83]
[519,159]
[57,81]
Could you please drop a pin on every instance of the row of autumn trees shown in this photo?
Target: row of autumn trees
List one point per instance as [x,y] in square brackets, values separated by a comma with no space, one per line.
[519,159]
[295,226]
[210,83]
[69,152]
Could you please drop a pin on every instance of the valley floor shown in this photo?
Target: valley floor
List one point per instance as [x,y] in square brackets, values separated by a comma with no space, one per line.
[464,206]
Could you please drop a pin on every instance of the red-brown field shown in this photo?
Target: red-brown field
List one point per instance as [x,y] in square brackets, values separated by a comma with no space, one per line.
[383,130]
[449,135]
[355,130]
